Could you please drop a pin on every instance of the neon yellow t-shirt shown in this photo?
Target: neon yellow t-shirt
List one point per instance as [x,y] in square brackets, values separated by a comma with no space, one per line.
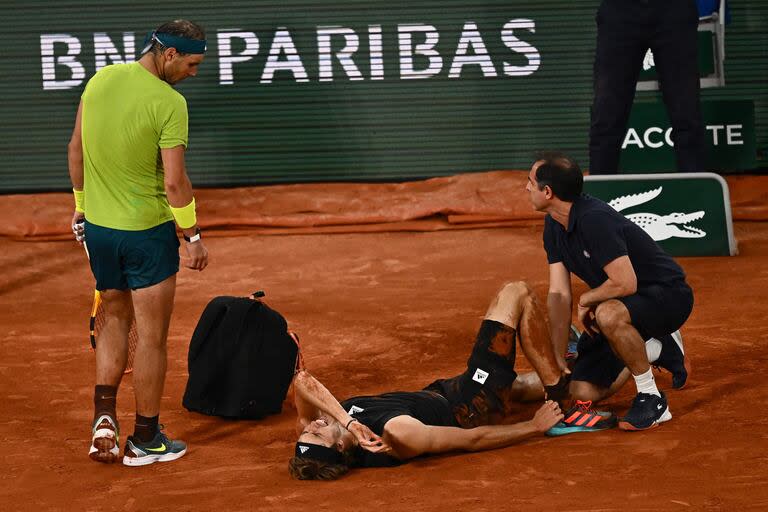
[128,115]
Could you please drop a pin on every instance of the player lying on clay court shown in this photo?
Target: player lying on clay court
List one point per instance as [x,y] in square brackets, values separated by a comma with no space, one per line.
[463,413]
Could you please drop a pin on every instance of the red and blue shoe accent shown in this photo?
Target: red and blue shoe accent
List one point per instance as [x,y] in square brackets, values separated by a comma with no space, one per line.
[583,418]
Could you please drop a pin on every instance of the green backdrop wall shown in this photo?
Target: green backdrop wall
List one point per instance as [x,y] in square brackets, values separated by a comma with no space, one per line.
[308,90]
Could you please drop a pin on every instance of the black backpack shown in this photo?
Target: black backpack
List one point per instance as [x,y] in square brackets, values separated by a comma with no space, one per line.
[241,360]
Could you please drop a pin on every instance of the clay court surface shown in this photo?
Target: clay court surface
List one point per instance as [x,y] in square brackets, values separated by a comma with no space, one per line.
[388,302]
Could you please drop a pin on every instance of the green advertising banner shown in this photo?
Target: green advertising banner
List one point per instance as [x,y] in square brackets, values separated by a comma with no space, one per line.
[345,90]
[687,214]
[314,90]
[730,134]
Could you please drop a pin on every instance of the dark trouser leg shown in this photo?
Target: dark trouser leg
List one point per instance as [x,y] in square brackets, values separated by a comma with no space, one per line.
[675,53]
[621,46]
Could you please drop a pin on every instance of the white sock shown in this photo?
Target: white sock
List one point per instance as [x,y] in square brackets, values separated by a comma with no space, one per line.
[646,383]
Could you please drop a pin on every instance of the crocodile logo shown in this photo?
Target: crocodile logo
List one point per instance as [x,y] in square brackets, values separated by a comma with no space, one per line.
[660,227]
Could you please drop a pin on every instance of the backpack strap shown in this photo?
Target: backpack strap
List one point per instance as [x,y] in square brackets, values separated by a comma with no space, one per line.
[299,356]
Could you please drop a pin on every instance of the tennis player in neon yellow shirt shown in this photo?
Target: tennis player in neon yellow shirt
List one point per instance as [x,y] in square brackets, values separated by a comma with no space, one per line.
[126,162]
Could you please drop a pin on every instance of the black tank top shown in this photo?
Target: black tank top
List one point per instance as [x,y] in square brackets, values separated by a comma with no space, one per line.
[375,411]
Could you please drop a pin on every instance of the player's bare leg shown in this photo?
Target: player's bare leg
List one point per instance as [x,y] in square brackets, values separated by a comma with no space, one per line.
[148,444]
[153,307]
[515,306]
[112,345]
[111,358]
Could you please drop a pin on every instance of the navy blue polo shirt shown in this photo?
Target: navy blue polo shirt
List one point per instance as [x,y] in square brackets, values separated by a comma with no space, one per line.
[596,235]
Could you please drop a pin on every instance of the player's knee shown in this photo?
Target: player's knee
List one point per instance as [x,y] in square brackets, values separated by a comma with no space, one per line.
[515,289]
[120,313]
[509,301]
[610,315]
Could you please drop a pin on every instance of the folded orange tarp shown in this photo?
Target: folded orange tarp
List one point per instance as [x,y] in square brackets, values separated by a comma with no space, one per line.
[487,199]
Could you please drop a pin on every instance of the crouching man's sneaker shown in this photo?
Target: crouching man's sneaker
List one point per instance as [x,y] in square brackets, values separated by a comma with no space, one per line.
[647,411]
[160,449]
[582,418]
[105,440]
[672,358]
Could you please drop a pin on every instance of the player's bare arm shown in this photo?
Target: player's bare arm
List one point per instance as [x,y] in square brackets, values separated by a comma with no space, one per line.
[305,409]
[559,307]
[313,400]
[410,438]
[75,163]
[178,188]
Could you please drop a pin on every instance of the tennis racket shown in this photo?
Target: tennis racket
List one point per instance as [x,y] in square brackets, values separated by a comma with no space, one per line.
[96,324]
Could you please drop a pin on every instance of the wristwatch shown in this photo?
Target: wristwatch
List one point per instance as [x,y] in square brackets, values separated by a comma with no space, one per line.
[194,238]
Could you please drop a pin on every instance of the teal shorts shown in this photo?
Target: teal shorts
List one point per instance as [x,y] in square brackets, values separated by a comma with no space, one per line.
[132,259]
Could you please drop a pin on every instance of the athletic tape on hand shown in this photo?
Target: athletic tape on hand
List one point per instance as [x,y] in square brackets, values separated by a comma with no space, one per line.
[79,231]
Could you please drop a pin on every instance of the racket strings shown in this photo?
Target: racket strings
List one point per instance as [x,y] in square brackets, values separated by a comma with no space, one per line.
[97,324]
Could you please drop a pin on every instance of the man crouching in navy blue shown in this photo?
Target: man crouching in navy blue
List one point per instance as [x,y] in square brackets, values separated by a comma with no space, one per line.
[637,293]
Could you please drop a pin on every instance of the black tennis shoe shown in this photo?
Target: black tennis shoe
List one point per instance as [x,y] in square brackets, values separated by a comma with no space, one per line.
[672,359]
[160,449]
[647,411]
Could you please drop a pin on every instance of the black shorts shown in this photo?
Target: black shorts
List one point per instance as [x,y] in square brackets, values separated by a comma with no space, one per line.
[482,394]
[658,310]
[655,311]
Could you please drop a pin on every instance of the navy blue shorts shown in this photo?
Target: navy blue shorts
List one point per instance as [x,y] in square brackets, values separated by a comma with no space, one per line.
[132,259]
[655,311]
